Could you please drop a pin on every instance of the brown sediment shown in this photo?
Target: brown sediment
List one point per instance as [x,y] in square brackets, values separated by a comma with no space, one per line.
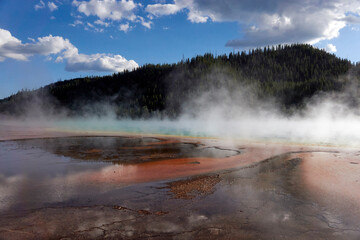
[160,165]
[159,170]
[164,142]
[137,148]
[149,166]
[93,151]
[110,149]
[182,167]
[140,211]
[190,188]
[333,179]
[157,156]
[263,198]
[161,213]
[151,145]
[144,212]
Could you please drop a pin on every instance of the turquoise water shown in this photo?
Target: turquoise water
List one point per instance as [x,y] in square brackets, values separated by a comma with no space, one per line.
[136,126]
[344,133]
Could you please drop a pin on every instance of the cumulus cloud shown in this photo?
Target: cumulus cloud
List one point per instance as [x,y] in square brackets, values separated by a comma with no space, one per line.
[108,9]
[194,14]
[270,22]
[102,23]
[11,47]
[163,9]
[52,6]
[99,62]
[330,48]
[90,26]
[143,22]
[197,17]
[124,27]
[40,5]
[76,22]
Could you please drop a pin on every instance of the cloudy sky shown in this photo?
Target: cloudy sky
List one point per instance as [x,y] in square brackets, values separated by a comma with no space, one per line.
[43,41]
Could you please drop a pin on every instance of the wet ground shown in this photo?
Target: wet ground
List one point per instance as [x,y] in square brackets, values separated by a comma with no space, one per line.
[173,188]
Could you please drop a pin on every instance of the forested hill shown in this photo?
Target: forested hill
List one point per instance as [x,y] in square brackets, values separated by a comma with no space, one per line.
[289,73]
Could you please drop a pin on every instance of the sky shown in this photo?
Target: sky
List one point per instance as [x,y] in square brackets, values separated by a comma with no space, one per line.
[44,41]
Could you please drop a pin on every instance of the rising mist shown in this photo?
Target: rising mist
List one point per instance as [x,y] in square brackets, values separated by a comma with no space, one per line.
[221,109]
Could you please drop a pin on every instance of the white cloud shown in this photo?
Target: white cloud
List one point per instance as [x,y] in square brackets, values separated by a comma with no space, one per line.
[52,6]
[90,26]
[108,9]
[102,23]
[113,10]
[76,16]
[146,24]
[195,15]
[270,22]
[76,22]
[162,9]
[6,39]
[330,48]
[264,22]
[99,62]
[124,27]
[11,47]
[40,5]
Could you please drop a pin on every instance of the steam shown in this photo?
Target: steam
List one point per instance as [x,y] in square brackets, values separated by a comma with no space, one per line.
[226,110]
[331,118]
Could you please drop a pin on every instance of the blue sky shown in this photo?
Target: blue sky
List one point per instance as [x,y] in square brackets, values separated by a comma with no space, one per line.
[43,41]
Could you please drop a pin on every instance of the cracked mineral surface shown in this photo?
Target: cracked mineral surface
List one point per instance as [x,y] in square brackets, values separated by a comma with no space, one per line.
[108,187]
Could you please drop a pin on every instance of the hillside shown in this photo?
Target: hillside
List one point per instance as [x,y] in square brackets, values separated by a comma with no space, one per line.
[289,74]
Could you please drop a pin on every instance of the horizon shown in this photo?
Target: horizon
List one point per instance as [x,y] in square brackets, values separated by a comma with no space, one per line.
[45,41]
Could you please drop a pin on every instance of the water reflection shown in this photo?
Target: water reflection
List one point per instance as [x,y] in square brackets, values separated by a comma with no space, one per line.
[61,171]
[126,150]
[48,188]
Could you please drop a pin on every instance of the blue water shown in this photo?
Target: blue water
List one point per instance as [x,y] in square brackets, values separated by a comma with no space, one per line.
[135,126]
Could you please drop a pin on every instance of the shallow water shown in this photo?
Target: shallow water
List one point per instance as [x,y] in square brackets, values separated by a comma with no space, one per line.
[125,150]
[131,188]
[39,172]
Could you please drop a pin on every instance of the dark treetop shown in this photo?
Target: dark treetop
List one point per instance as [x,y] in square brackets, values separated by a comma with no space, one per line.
[290,74]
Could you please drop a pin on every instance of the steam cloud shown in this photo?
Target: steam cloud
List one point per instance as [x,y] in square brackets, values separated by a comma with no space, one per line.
[230,112]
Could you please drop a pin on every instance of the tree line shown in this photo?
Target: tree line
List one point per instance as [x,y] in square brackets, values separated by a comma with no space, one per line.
[288,73]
